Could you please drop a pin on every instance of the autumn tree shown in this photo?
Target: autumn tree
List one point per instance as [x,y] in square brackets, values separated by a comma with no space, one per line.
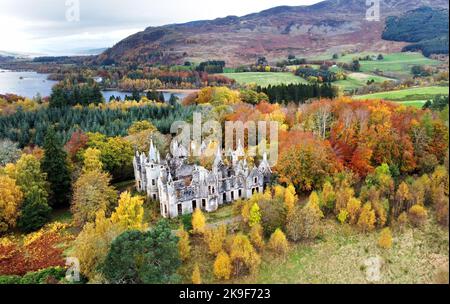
[343,196]
[198,222]
[385,240]
[243,256]
[56,167]
[290,198]
[328,197]
[184,246]
[367,219]
[303,223]
[255,215]
[278,243]
[215,238]
[257,236]
[417,215]
[92,160]
[10,203]
[35,211]
[196,276]
[353,209]
[222,266]
[91,193]
[403,198]
[129,214]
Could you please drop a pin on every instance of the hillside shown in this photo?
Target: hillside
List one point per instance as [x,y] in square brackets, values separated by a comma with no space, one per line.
[302,30]
[426,27]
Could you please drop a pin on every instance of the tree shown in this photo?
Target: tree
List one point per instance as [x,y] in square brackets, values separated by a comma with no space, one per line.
[403,198]
[417,215]
[143,257]
[367,219]
[91,193]
[9,152]
[343,196]
[222,266]
[303,223]
[327,197]
[353,209]
[255,215]
[198,222]
[273,215]
[257,236]
[290,198]
[196,276]
[35,211]
[385,240]
[92,244]
[278,243]
[56,167]
[184,247]
[243,256]
[129,214]
[215,238]
[10,203]
[92,160]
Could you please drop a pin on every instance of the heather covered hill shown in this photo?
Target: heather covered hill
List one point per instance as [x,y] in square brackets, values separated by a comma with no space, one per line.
[329,25]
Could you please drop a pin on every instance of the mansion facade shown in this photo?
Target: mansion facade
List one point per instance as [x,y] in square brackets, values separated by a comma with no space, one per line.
[181,187]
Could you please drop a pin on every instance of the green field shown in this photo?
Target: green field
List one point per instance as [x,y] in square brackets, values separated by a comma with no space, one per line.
[395,62]
[265,79]
[424,93]
[357,80]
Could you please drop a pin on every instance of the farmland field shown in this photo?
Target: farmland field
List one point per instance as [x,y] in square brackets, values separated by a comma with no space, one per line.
[396,62]
[408,94]
[264,79]
[356,80]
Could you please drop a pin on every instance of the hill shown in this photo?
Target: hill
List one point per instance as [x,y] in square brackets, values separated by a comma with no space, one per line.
[426,27]
[274,33]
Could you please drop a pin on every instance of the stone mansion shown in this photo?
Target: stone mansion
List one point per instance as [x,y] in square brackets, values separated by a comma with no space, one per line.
[181,188]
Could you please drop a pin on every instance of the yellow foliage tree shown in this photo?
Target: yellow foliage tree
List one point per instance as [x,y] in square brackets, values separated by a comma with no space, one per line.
[290,198]
[278,242]
[92,192]
[255,215]
[385,240]
[222,266]
[215,238]
[256,236]
[243,256]
[129,215]
[353,208]
[367,219]
[196,276]
[92,160]
[343,195]
[314,204]
[92,244]
[279,192]
[10,202]
[198,222]
[184,246]
[417,215]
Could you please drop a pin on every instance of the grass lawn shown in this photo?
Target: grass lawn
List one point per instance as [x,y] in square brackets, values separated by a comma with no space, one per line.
[265,79]
[413,95]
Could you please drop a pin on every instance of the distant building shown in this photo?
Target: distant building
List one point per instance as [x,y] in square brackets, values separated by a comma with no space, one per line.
[181,187]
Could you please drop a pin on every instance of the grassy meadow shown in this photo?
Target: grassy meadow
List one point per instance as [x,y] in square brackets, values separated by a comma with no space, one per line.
[264,79]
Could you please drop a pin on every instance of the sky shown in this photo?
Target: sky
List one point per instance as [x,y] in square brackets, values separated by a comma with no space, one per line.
[58,27]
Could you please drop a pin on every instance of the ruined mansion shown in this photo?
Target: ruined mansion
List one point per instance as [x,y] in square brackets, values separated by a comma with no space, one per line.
[181,187]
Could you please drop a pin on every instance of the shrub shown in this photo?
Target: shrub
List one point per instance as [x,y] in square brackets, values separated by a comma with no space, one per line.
[196,276]
[417,215]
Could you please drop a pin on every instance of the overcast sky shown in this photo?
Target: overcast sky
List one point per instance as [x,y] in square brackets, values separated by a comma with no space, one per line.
[41,26]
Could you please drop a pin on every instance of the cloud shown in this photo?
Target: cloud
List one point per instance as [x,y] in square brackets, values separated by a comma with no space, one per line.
[41,25]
